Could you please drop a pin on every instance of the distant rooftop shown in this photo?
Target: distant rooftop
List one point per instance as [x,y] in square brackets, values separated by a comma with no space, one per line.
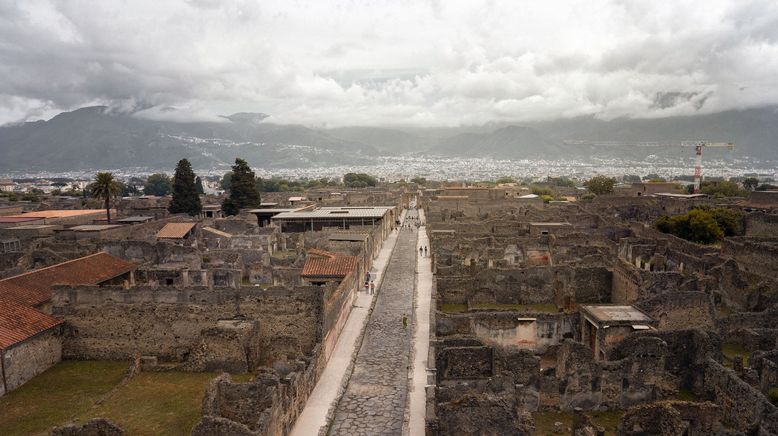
[135,219]
[675,195]
[336,212]
[17,219]
[613,313]
[324,264]
[54,213]
[175,230]
[34,287]
[94,227]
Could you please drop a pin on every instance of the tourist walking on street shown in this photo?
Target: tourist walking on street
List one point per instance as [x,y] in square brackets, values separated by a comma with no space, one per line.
[372,288]
[421,251]
[425,251]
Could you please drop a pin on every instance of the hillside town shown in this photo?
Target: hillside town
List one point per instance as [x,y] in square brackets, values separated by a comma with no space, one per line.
[360,307]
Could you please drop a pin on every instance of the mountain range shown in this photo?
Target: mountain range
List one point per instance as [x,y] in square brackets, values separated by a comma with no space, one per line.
[95,138]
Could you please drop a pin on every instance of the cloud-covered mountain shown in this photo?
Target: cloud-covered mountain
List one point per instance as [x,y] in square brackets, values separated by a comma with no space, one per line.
[93,137]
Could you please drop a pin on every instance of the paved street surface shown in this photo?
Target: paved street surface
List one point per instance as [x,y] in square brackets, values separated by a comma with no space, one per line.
[375,400]
[314,415]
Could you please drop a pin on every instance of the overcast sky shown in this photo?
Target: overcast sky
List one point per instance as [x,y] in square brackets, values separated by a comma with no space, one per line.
[330,63]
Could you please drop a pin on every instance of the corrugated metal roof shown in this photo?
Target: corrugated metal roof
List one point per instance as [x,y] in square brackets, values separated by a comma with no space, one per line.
[335,213]
[175,230]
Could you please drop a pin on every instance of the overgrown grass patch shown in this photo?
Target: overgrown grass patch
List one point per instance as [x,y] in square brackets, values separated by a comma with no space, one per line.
[158,403]
[685,394]
[545,421]
[608,420]
[453,308]
[543,308]
[66,390]
[732,350]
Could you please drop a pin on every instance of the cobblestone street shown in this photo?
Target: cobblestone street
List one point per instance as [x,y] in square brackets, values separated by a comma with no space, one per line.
[374,402]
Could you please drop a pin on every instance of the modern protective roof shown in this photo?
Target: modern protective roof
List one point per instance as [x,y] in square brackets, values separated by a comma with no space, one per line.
[19,322]
[269,210]
[94,227]
[34,287]
[320,263]
[677,195]
[217,232]
[60,213]
[32,227]
[135,219]
[336,213]
[175,230]
[17,219]
[614,313]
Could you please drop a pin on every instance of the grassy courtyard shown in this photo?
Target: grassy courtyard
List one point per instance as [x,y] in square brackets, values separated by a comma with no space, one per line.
[151,403]
[532,308]
[64,391]
[544,421]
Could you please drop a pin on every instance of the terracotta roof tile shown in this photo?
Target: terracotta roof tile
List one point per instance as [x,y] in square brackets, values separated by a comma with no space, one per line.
[34,287]
[61,213]
[175,230]
[19,322]
[320,263]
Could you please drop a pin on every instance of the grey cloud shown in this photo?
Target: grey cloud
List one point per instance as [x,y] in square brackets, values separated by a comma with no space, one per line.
[383,62]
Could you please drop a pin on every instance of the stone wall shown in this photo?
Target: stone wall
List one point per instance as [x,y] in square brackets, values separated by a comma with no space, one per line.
[755,255]
[531,285]
[266,406]
[509,330]
[761,224]
[115,324]
[742,406]
[26,359]
[680,310]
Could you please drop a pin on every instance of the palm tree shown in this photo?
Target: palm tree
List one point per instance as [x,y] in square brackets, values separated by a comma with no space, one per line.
[106,187]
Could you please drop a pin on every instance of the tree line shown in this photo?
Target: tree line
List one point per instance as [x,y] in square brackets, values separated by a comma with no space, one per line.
[241,184]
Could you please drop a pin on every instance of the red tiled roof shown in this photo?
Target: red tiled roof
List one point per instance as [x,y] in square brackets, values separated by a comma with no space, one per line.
[34,287]
[320,263]
[57,213]
[19,322]
[175,230]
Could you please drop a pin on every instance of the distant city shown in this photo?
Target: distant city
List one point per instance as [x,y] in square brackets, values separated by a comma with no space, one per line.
[395,168]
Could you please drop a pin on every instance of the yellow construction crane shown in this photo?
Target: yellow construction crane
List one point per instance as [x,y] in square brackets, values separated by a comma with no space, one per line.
[698,146]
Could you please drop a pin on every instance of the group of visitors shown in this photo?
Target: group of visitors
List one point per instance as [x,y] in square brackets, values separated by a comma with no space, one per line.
[423,251]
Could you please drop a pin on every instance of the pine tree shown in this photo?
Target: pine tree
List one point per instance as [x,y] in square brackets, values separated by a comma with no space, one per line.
[243,189]
[185,198]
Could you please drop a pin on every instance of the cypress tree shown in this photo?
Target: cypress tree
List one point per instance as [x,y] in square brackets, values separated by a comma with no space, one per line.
[185,198]
[243,189]
[199,185]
